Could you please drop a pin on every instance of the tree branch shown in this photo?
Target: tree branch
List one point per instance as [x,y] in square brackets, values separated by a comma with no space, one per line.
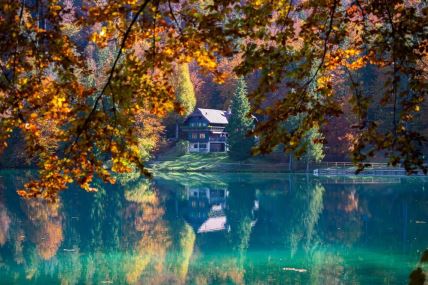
[327,38]
[325,49]
[15,54]
[395,70]
[112,71]
[173,16]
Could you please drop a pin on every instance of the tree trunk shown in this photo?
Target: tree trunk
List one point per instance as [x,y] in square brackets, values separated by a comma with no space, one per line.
[176,130]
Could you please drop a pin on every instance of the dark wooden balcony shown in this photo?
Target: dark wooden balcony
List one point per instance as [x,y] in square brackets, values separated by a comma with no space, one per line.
[217,139]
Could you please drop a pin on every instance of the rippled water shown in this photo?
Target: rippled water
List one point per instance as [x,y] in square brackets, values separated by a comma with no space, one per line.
[216,229]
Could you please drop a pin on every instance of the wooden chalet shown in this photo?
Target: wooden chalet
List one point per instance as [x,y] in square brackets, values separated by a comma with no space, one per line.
[205,130]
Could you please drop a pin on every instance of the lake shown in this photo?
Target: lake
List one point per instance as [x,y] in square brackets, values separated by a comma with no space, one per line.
[182,228]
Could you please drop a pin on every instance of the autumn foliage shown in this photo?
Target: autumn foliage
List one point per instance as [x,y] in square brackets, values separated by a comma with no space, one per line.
[79,129]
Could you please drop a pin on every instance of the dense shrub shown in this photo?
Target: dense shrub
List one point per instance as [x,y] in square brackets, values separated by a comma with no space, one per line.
[182,147]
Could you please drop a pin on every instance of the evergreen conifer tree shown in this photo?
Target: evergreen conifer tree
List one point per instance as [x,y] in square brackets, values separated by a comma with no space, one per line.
[240,124]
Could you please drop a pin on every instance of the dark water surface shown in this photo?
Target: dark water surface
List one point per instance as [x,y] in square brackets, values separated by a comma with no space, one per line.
[216,229]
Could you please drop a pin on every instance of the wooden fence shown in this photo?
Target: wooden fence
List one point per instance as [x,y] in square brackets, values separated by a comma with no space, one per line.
[322,168]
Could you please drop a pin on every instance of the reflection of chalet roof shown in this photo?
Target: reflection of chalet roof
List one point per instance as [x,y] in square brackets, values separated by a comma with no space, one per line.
[214,116]
[213,224]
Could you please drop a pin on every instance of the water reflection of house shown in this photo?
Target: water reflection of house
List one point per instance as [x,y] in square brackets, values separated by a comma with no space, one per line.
[205,209]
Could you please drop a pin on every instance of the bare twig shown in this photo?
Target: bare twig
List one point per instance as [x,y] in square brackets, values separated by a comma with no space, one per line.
[325,49]
[15,54]
[114,105]
[363,12]
[15,104]
[395,70]
[4,72]
[154,36]
[358,95]
[173,16]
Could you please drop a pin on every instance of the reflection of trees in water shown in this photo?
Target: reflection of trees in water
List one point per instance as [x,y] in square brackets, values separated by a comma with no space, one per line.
[287,220]
[240,217]
[106,217]
[339,221]
[165,246]
[114,236]
[153,235]
[135,233]
[329,268]
[284,216]
[101,236]
[240,214]
[34,240]
[343,215]
[308,200]
[4,218]
[35,220]
[45,225]
[182,249]
[70,268]
[288,216]
[11,229]
[216,270]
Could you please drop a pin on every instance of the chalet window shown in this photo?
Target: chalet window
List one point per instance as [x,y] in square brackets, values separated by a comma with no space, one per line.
[195,145]
[203,145]
[202,135]
[194,135]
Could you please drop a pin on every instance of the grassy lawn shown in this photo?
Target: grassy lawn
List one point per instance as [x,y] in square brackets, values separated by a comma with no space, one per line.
[214,162]
[192,162]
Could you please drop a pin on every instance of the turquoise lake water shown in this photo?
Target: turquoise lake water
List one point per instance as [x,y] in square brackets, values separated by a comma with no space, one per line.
[216,229]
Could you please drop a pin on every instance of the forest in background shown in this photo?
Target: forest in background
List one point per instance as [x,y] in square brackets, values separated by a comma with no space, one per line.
[338,132]
[92,88]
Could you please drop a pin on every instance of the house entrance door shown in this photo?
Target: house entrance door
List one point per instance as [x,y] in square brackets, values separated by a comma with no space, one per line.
[217,147]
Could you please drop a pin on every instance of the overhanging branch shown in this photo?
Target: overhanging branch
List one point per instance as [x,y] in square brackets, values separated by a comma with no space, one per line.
[112,71]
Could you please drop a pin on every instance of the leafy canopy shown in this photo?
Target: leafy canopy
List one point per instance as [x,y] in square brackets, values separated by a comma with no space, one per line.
[185,92]
[74,127]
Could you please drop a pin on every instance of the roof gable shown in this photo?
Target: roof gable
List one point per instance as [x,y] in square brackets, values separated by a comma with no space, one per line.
[214,116]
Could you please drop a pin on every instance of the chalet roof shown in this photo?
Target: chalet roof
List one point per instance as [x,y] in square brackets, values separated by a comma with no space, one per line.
[214,116]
